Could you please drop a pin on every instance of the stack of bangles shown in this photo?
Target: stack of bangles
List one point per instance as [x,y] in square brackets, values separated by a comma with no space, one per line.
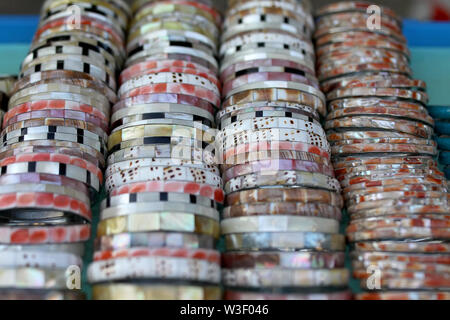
[54,144]
[159,224]
[384,156]
[283,203]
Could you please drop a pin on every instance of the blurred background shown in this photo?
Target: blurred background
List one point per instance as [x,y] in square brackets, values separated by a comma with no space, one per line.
[418,9]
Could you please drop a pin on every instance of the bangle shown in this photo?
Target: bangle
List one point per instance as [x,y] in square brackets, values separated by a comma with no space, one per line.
[93,54]
[119,7]
[264,61]
[158,8]
[66,138]
[34,278]
[434,246]
[248,295]
[34,188]
[195,189]
[59,87]
[70,148]
[269,278]
[180,99]
[212,256]
[403,295]
[153,197]
[382,148]
[369,209]
[356,161]
[158,162]
[51,116]
[98,12]
[286,195]
[189,22]
[272,155]
[163,173]
[233,84]
[68,170]
[97,30]
[253,22]
[407,221]
[375,81]
[154,268]
[284,241]
[76,249]
[81,79]
[375,101]
[154,66]
[270,38]
[174,23]
[181,144]
[313,128]
[416,96]
[406,126]
[75,37]
[166,38]
[56,260]
[275,94]
[291,5]
[54,105]
[380,111]
[151,68]
[147,112]
[354,6]
[262,10]
[54,125]
[396,280]
[65,62]
[266,57]
[18,150]
[159,208]
[267,107]
[76,98]
[279,224]
[387,178]
[374,67]
[321,210]
[168,77]
[135,132]
[288,260]
[276,136]
[155,292]
[178,154]
[44,235]
[379,191]
[282,178]
[399,233]
[182,88]
[176,53]
[272,165]
[154,240]
[169,222]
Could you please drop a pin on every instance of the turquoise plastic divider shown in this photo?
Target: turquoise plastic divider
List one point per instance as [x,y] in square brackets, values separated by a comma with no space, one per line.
[11,56]
[433,66]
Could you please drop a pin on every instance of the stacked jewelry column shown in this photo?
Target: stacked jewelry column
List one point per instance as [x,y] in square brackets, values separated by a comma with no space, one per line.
[160,222]
[281,222]
[384,156]
[53,147]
